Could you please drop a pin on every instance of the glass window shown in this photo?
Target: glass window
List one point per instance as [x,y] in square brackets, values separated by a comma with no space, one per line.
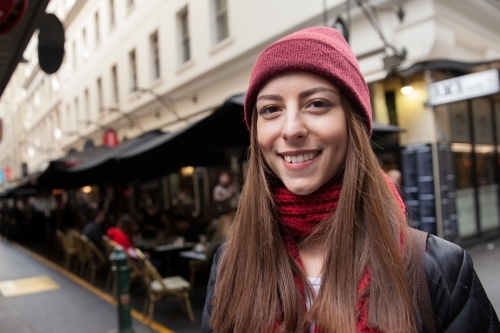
[184,36]
[482,119]
[96,28]
[460,128]
[221,19]
[133,70]
[111,13]
[155,55]
[100,101]
[87,105]
[114,77]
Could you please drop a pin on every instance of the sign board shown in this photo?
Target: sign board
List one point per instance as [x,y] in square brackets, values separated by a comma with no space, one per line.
[464,87]
[418,182]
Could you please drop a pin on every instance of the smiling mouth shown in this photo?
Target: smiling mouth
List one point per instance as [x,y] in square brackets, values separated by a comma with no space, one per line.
[300,158]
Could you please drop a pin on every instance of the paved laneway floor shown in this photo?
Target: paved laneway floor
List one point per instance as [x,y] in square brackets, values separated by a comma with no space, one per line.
[74,308]
[486,258]
[69,309]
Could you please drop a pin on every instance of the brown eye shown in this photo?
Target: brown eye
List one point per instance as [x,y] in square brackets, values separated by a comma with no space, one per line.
[269,109]
[320,104]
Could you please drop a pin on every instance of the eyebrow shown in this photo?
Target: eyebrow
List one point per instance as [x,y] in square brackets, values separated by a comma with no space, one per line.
[270,97]
[312,91]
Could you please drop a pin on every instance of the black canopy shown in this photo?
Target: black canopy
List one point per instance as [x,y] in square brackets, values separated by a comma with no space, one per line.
[209,141]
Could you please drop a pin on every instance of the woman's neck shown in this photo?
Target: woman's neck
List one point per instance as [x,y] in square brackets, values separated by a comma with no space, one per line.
[312,255]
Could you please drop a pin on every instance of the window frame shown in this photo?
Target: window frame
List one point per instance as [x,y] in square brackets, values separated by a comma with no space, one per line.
[154,48]
[183,36]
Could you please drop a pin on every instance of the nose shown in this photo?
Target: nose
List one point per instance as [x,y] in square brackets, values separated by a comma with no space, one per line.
[294,127]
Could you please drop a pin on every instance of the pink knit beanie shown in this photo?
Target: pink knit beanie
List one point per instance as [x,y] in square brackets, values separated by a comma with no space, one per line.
[321,51]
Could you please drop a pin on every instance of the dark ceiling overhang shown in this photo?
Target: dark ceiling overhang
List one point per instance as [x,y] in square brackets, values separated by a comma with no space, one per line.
[13,43]
[458,67]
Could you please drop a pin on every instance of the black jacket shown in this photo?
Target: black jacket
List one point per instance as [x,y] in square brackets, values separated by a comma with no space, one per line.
[458,299]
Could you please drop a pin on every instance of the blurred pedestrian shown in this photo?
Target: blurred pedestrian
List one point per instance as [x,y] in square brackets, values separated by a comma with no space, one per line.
[224,194]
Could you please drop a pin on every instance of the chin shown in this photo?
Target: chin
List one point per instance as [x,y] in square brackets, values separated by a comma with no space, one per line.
[301,189]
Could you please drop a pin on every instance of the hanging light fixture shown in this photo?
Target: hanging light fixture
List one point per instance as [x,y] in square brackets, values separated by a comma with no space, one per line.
[407,88]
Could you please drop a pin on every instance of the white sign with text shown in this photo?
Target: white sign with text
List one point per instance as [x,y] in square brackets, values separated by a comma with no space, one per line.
[464,87]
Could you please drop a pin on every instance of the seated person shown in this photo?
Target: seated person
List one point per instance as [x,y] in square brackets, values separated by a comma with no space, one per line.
[224,224]
[123,234]
[182,229]
[93,229]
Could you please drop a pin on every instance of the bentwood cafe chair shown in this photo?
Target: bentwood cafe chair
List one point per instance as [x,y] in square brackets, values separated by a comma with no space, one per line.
[158,287]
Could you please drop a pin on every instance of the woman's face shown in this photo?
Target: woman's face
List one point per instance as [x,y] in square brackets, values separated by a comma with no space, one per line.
[302,130]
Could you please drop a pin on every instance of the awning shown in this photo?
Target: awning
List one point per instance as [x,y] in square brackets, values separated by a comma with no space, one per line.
[460,67]
[209,141]
[379,128]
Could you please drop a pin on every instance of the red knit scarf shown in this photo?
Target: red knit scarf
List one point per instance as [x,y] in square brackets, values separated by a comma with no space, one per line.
[300,215]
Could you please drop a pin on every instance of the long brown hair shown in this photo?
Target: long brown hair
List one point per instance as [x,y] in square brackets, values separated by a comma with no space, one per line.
[255,288]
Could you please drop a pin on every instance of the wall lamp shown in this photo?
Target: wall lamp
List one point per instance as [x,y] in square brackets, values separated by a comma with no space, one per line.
[407,88]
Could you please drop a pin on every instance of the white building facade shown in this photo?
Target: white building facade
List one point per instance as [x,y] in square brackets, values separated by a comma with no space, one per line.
[138,65]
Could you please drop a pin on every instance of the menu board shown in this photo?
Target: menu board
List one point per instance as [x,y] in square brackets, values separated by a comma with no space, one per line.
[448,192]
[418,183]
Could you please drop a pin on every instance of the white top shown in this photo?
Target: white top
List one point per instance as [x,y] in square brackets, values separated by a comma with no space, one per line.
[315,283]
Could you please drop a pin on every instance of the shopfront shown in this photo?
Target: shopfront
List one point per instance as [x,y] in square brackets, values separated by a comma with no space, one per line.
[467,113]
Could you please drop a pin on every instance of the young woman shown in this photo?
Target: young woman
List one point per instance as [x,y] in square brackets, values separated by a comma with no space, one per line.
[320,242]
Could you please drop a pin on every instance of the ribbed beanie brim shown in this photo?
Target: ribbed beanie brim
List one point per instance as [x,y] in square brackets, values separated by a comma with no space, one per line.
[321,51]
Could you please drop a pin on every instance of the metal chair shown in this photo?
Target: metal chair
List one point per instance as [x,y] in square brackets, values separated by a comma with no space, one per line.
[95,259]
[109,246]
[158,287]
[68,248]
[135,273]
[81,253]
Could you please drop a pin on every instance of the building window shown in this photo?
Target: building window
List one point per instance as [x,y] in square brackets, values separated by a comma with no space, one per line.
[96,28]
[85,51]
[68,122]
[183,23]
[133,70]
[111,13]
[74,55]
[221,24]
[77,113]
[100,101]
[87,105]
[155,55]
[114,77]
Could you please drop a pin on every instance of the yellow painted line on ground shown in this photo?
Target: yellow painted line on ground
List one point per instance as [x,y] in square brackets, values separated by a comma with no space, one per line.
[154,325]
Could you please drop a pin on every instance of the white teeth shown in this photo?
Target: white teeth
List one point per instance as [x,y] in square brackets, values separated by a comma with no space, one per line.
[299,158]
